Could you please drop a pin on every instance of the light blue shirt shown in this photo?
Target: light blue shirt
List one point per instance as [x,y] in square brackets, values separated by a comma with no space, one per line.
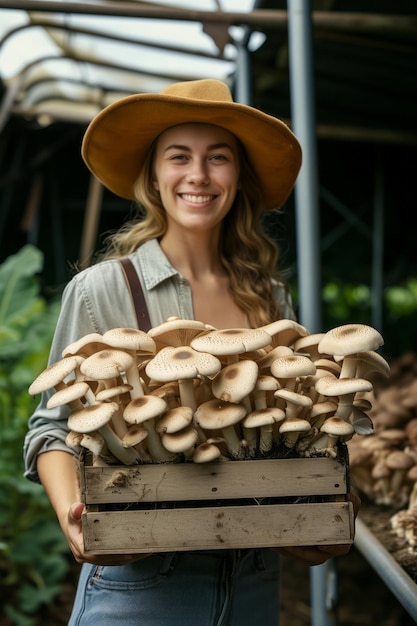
[98,299]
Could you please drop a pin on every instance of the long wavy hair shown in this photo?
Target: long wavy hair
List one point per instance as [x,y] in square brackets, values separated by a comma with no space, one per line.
[247,253]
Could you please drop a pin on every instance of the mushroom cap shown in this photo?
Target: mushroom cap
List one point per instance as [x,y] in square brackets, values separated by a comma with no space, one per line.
[309,344]
[180,441]
[350,338]
[231,341]
[284,332]
[85,346]
[293,397]
[130,339]
[174,420]
[55,374]
[337,426]
[206,452]
[331,386]
[113,392]
[92,417]
[177,332]
[106,364]
[263,417]
[399,460]
[143,408]
[292,366]
[217,414]
[68,394]
[235,381]
[372,362]
[294,425]
[134,436]
[181,362]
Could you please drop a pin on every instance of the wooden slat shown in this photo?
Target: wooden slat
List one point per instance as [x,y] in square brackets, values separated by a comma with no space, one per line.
[221,480]
[213,528]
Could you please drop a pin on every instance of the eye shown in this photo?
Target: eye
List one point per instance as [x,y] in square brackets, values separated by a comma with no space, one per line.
[218,157]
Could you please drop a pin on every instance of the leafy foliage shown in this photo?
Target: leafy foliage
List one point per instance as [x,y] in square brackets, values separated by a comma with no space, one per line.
[33,550]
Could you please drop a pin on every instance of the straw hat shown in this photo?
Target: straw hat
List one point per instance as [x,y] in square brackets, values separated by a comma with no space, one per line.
[118,138]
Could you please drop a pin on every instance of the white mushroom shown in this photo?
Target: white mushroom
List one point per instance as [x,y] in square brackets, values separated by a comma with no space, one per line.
[220,415]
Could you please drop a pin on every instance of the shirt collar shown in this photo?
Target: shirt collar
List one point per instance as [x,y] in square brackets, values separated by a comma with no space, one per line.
[153,264]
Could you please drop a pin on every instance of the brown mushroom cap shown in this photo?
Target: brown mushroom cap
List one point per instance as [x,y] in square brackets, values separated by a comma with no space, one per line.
[143,408]
[131,339]
[218,414]
[181,362]
[284,332]
[235,381]
[106,364]
[174,420]
[350,338]
[55,374]
[85,346]
[231,341]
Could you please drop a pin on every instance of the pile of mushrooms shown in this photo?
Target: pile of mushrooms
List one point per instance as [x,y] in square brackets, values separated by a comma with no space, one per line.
[384,465]
[185,391]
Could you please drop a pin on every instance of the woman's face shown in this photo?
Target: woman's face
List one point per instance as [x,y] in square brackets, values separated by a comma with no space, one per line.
[196,172]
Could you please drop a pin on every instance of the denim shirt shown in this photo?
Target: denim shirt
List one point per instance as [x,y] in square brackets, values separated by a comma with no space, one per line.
[98,299]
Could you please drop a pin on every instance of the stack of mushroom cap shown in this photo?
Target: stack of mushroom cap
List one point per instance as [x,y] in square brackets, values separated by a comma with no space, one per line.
[176,332]
[139,345]
[284,332]
[231,342]
[349,339]
[288,370]
[218,415]
[144,410]
[345,389]
[96,417]
[183,364]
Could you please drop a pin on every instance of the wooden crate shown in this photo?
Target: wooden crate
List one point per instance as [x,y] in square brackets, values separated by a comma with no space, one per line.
[236,504]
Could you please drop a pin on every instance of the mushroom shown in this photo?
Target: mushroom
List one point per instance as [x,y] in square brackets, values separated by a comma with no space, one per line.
[288,370]
[70,395]
[345,389]
[235,382]
[206,452]
[184,364]
[284,332]
[183,441]
[399,462]
[176,332]
[53,377]
[144,410]
[263,420]
[134,438]
[347,340]
[174,420]
[291,429]
[96,417]
[308,346]
[221,415]
[231,342]
[336,429]
[85,346]
[139,345]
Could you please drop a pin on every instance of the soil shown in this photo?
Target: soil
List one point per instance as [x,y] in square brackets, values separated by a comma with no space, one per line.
[363,598]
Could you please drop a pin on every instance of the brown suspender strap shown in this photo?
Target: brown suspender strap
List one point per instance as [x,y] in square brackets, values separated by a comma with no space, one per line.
[138,299]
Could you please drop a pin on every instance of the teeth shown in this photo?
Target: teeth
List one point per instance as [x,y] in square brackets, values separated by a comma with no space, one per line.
[196,199]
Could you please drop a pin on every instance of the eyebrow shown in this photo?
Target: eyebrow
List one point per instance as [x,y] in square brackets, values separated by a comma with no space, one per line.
[215,146]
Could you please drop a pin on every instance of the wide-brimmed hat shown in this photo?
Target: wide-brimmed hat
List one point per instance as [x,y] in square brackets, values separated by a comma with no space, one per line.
[119,137]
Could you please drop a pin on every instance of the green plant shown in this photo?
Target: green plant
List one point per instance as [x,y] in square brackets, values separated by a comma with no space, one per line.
[33,551]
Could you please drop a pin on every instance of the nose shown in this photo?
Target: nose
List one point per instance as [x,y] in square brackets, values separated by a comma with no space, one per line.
[198,173]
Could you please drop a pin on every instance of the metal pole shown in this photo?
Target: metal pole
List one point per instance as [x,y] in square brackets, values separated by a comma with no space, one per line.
[306,189]
[307,224]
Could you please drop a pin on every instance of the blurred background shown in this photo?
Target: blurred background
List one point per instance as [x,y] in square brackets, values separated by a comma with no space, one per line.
[62,62]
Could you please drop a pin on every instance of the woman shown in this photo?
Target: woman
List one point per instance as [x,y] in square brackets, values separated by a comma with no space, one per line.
[202,169]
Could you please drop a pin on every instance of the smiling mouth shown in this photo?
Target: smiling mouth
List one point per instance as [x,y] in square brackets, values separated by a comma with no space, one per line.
[188,197]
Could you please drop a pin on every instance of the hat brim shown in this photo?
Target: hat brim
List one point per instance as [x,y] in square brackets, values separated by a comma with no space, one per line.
[119,137]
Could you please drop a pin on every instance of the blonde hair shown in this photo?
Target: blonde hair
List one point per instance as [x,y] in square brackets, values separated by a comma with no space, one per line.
[248,255]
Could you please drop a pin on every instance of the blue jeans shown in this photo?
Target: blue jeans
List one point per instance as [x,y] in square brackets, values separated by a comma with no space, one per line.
[213,588]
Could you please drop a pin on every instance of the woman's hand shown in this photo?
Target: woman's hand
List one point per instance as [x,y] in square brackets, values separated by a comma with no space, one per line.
[75,540]
[316,555]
